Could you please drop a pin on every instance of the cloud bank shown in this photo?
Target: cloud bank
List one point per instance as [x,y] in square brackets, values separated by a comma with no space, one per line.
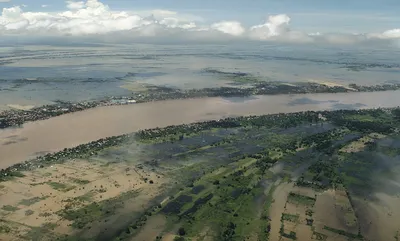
[93,18]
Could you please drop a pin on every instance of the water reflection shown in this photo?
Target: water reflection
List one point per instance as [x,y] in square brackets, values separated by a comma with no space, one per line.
[308,101]
[240,99]
[180,66]
[348,106]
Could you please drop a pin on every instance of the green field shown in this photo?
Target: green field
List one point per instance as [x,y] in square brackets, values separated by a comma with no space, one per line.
[220,180]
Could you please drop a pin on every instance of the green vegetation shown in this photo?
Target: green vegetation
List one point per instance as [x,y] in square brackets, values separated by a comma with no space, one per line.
[10,175]
[300,199]
[290,235]
[95,211]
[31,201]
[44,232]
[223,194]
[309,212]
[80,181]
[225,204]
[235,77]
[221,176]
[29,212]
[46,214]
[290,217]
[60,186]
[387,150]
[340,118]
[319,236]
[344,233]
[257,86]
[9,208]
[4,229]
[87,197]
[265,226]
[49,226]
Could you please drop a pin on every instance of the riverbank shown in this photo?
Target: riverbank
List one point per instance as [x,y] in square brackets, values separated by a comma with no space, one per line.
[17,117]
[66,131]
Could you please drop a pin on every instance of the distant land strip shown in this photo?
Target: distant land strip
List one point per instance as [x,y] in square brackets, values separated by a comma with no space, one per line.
[14,117]
[282,120]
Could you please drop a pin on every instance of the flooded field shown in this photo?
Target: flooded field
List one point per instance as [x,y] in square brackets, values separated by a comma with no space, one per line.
[19,144]
[37,75]
[128,121]
[57,199]
[262,180]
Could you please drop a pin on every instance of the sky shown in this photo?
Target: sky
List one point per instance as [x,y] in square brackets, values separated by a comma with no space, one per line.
[333,21]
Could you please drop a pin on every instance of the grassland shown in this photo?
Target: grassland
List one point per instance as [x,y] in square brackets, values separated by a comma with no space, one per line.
[258,178]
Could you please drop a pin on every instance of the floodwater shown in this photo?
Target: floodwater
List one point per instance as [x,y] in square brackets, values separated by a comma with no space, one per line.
[81,73]
[35,138]
[277,208]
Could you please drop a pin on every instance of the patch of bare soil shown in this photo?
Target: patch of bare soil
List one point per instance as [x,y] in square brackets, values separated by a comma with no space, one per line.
[308,192]
[298,218]
[205,235]
[39,199]
[169,237]
[153,228]
[359,145]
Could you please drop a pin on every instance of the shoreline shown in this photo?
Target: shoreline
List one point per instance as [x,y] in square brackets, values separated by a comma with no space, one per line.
[282,120]
[18,117]
[66,131]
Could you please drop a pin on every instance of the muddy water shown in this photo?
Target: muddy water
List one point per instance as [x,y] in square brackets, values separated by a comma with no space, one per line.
[277,208]
[379,220]
[17,145]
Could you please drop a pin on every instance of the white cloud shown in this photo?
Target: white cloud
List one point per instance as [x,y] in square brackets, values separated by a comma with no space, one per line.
[44,6]
[343,38]
[229,27]
[391,34]
[4,1]
[11,14]
[75,5]
[161,14]
[275,26]
[92,17]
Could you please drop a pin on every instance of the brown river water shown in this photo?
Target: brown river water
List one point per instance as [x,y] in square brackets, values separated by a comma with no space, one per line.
[36,138]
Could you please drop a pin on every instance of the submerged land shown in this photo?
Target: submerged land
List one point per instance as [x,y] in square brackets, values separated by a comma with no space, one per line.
[149,143]
[311,175]
[51,135]
[239,85]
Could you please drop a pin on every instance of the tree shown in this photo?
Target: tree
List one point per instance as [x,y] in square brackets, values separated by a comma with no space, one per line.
[181,231]
[229,232]
[396,113]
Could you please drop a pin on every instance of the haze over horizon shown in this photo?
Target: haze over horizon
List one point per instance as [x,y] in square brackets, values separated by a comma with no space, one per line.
[339,22]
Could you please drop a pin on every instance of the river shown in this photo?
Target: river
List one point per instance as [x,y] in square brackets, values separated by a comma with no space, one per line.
[51,135]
